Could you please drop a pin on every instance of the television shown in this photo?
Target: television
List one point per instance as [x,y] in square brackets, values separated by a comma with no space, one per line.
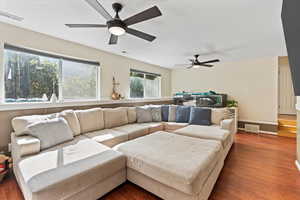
[291,25]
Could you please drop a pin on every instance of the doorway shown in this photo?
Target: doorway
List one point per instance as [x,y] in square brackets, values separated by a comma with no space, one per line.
[287,99]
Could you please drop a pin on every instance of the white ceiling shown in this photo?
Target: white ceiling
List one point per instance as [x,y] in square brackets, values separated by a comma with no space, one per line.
[230,30]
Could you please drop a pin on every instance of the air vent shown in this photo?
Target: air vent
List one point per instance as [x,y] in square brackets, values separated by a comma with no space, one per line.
[252,128]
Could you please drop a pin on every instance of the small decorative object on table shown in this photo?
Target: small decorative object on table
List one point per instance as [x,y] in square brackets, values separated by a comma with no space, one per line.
[115,95]
[5,165]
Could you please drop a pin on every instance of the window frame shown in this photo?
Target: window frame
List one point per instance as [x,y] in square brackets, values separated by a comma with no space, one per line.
[60,74]
[144,78]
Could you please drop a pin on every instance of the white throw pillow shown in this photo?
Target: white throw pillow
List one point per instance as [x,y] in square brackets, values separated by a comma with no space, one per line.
[71,118]
[51,132]
[20,124]
[172,113]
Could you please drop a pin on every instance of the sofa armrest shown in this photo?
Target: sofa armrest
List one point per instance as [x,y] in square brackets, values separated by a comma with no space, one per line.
[24,146]
[227,124]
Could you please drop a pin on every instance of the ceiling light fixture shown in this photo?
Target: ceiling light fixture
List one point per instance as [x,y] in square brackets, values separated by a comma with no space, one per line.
[115,30]
[116,27]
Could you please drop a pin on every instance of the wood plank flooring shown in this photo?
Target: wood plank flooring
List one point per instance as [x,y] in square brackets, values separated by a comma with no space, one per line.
[258,167]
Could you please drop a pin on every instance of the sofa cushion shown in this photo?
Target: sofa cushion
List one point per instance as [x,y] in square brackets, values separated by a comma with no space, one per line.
[205,132]
[172,113]
[69,169]
[24,145]
[143,114]
[200,116]
[72,119]
[51,132]
[176,161]
[165,113]
[156,113]
[115,117]
[90,120]
[20,124]
[154,126]
[171,126]
[183,114]
[108,137]
[217,115]
[131,112]
[133,130]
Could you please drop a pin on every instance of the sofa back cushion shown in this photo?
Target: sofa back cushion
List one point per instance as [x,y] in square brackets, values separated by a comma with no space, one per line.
[90,120]
[172,113]
[131,113]
[143,114]
[115,117]
[200,116]
[217,115]
[72,119]
[51,132]
[20,124]
[183,114]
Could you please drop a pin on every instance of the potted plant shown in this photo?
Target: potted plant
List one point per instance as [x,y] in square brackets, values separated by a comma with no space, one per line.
[232,103]
[5,165]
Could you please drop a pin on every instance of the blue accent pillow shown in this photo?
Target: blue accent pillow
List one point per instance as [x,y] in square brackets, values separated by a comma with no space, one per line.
[165,113]
[183,114]
[200,116]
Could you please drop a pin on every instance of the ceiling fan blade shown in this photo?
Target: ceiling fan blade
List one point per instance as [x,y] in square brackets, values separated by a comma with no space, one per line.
[143,16]
[11,16]
[113,39]
[140,34]
[86,25]
[205,65]
[100,9]
[182,65]
[210,61]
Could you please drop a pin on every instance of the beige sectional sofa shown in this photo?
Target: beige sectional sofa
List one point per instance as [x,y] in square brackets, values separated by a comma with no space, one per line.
[87,167]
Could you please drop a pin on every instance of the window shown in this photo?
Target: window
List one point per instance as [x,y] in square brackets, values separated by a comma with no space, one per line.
[31,76]
[144,84]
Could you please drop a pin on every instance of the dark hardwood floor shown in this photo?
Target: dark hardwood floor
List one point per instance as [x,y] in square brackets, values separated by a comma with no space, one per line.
[258,167]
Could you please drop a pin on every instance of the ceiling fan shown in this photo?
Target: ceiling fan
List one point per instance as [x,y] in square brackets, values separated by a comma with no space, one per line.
[195,63]
[11,16]
[117,26]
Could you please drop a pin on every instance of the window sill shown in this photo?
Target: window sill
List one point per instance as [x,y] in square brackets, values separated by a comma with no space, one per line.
[37,105]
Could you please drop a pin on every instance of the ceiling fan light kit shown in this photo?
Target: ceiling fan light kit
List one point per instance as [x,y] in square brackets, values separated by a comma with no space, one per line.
[117,26]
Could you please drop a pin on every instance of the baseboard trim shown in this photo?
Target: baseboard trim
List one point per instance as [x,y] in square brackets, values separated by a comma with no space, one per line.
[263,132]
[297,164]
[258,122]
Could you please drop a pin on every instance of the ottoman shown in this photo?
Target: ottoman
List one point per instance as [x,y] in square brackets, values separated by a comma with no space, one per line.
[173,166]
[211,133]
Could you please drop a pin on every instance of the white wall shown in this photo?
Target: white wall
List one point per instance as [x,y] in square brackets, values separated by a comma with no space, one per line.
[111,65]
[253,83]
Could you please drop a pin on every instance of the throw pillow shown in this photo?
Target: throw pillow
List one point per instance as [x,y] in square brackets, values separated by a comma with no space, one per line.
[143,114]
[172,113]
[71,118]
[183,114]
[200,116]
[156,113]
[165,113]
[51,132]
